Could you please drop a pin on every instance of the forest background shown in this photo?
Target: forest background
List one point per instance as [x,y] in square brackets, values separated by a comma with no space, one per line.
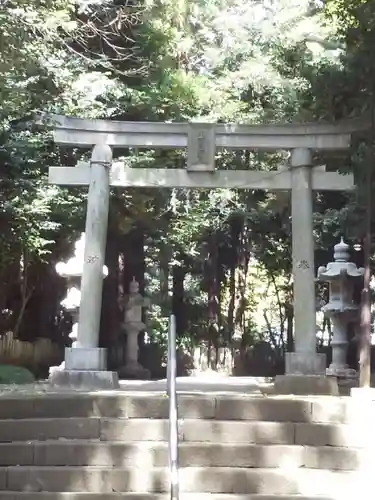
[219,260]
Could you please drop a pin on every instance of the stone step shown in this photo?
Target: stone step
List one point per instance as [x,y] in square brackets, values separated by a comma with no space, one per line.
[11,495]
[192,480]
[42,429]
[250,432]
[199,430]
[226,431]
[209,406]
[191,454]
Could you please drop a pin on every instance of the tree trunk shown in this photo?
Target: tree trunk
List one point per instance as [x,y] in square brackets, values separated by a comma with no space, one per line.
[213,302]
[232,300]
[242,270]
[178,303]
[289,314]
[236,225]
[164,261]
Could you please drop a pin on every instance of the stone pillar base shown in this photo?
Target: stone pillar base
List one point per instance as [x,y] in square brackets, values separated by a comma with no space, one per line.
[305,363]
[84,379]
[134,371]
[85,358]
[306,385]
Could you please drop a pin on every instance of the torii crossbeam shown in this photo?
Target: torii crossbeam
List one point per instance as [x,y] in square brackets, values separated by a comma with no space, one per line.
[274,180]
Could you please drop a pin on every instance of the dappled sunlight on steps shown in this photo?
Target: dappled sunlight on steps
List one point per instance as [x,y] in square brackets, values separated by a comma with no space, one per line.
[232,446]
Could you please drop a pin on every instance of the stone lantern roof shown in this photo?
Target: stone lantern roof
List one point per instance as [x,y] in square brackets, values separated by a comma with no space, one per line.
[341,265]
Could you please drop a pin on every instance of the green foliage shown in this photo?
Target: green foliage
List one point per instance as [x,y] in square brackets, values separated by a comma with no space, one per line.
[10,374]
[213,60]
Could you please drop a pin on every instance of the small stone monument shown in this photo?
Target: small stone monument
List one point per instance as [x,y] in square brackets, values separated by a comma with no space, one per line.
[341,309]
[72,272]
[133,325]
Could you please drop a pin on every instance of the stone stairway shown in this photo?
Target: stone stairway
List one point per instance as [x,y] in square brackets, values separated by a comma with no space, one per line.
[105,446]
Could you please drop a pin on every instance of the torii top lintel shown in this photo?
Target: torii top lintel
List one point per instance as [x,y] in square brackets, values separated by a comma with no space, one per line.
[315,136]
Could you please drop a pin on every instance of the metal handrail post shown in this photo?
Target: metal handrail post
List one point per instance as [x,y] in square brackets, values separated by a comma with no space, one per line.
[173,412]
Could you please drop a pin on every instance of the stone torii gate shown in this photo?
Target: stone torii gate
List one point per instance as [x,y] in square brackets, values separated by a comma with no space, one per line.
[86,364]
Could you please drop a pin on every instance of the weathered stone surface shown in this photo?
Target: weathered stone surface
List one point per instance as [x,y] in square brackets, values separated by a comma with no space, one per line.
[16,454]
[209,406]
[59,479]
[114,406]
[85,358]
[34,429]
[3,479]
[306,385]
[147,496]
[84,379]
[147,407]
[230,408]
[133,430]
[155,454]
[238,432]
[239,455]
[157,407]
[198,430]
[309,362]
[65,407]
[330,410]
[331,435]
[192,479]
[17,407]
[71,453]
[148,454]
[47,405]
[335,458]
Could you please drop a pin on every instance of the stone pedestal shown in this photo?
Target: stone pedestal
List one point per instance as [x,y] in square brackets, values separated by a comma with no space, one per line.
[305,375]
[85,358]
[305,363]
[306,385]
[84,379]
[85,368]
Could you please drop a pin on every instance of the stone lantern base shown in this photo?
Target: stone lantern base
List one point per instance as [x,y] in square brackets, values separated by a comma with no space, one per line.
[134,371]
[306,385]
[305,376]
[342,372]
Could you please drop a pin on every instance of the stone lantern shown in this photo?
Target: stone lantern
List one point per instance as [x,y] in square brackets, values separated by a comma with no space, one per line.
[341,309]
[133,303]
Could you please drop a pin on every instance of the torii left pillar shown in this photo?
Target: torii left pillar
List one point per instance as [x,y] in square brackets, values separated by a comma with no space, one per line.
[86,364]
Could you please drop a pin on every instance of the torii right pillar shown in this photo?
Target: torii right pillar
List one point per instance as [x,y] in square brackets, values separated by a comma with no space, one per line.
[305,369]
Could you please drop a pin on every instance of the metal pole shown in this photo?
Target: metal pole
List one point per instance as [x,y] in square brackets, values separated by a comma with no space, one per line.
[173,413]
